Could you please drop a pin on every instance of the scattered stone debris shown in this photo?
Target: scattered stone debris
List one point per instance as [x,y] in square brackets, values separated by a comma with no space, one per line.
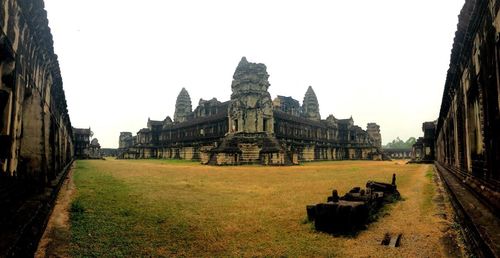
[392,241]
[353,210]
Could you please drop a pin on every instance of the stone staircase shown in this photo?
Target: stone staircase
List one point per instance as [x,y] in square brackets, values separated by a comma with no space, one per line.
[248,147]
[250,154]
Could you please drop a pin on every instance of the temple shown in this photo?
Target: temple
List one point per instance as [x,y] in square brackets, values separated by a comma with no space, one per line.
[85,148]
[251,128]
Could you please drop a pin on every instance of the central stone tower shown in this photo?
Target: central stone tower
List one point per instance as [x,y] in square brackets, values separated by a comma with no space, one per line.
[250,138]
[251,107]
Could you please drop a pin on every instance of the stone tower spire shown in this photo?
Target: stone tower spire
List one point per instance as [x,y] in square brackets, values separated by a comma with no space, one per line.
[373,131]
[249,78]
[251,109]
[310,105]
[183,108]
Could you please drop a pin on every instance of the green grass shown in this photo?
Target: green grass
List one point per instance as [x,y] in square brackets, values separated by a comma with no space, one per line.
[130,208]
[428,192]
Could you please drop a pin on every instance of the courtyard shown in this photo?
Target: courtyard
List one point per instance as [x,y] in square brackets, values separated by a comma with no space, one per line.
[181,208]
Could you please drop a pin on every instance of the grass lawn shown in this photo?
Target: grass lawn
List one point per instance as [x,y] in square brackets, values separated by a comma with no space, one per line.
[171,208]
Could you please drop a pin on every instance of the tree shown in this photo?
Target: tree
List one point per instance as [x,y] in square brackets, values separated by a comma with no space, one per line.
[400,144]
[410,141]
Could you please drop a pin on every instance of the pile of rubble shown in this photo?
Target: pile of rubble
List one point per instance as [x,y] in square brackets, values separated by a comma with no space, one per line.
[353,210]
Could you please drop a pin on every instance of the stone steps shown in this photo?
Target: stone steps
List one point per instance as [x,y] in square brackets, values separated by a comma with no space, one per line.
[250,155]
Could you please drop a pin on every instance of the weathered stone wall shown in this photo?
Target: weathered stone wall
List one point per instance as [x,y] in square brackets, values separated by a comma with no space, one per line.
[373,131]
[36,146]
[147,153]
[81,142]
[468,138]
[307,153]
[227,159]
[272,159]
[423,151]
[125,140]
[469,123]
[95,149]
[35,130]
[205,154]
[188,153]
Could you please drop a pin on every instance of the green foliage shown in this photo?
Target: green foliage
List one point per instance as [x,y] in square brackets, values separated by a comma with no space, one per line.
[400,144]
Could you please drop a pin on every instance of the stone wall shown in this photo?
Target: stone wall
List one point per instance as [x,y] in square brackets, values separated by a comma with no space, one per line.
[373,131]
[307,153]
[35,129]
[467,131]
[36,147]
[468,127]
[423,151]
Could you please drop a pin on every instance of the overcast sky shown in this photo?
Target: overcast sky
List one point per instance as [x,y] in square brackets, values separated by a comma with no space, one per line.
[123,61]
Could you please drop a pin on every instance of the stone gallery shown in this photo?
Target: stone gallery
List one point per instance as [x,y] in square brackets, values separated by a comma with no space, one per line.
[467,133]
[36,144]
[468,128]
[252,128]
[35,129]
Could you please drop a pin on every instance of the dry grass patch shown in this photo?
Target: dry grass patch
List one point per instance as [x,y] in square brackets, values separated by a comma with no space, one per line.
[165,208]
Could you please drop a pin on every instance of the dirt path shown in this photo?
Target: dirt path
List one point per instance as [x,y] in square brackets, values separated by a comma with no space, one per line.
[55,241]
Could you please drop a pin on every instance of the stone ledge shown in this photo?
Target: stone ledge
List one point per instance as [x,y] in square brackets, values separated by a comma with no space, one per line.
[24,224]
[481,227]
